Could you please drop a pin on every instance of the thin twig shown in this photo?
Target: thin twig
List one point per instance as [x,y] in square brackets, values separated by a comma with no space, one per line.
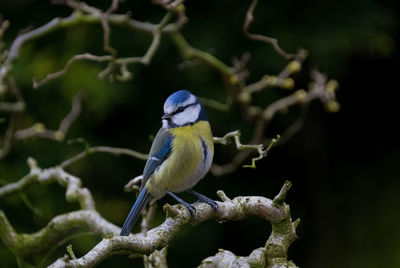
[103,149]
[85,56]
[74,192]
[282,79]
[106,28]
[263,38]
[262,153]
[12,107]
[72,115]
[279,198]
[320,89]
[8,137]
[270,81]
[188,52]
[39,130]
[84,14]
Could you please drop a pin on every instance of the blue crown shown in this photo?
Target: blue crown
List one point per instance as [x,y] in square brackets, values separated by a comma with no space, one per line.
[178,97]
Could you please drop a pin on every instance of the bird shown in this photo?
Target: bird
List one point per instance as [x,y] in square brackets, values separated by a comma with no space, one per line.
[180,156]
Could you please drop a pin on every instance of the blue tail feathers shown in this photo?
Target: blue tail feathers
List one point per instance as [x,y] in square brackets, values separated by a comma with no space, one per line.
[137,208]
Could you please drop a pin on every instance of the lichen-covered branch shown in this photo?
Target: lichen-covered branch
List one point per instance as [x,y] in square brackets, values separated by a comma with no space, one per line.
[274,252]
[238,208]
[157,259]
[74,192]
[275,211]
[24,245]
[240,94]
[226,258]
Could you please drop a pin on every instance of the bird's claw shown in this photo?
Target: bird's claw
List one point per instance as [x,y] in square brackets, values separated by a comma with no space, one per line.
[192,210]
[209,202]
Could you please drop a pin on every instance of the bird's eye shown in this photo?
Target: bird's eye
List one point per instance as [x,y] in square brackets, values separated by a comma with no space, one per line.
[180,109]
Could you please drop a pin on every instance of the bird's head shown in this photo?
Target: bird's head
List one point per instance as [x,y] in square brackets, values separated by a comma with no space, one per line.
[182,108]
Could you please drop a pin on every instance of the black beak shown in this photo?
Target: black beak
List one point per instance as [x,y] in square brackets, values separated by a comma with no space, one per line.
[166,117]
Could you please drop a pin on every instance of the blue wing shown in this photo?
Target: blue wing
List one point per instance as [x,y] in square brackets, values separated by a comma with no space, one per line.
[159,152]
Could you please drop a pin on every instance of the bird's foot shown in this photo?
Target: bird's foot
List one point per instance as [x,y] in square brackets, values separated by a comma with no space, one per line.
[205,199]
[190,207]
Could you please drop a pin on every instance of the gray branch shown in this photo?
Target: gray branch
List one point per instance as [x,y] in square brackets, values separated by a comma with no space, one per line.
[74,192]
[239,208]
[23,245]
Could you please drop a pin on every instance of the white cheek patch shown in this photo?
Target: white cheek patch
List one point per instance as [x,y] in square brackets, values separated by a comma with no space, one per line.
[168,109]
[189,115]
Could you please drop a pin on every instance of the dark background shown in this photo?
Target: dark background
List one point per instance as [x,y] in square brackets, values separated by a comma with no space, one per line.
[344,166]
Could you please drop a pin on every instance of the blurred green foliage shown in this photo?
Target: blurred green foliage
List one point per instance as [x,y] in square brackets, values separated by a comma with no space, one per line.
[343,166]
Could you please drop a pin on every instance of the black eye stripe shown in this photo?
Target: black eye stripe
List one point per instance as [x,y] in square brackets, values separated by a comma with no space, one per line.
[182,108]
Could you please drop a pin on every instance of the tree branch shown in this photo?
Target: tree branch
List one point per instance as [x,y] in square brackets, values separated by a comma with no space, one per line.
[24,245]
[85,56]
[320,89]
[282,79]
[103,149]
[154,241]
[226,258]
[74,192]
[238,208]
[84,14]
[8,137]
[39,129]
[262,153]
[12,107]
[188,52]
[263,38]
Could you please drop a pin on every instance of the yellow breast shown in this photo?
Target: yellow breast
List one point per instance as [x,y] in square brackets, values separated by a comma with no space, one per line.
[186,164]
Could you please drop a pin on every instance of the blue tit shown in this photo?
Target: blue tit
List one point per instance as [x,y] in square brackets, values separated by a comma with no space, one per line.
[181,155]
